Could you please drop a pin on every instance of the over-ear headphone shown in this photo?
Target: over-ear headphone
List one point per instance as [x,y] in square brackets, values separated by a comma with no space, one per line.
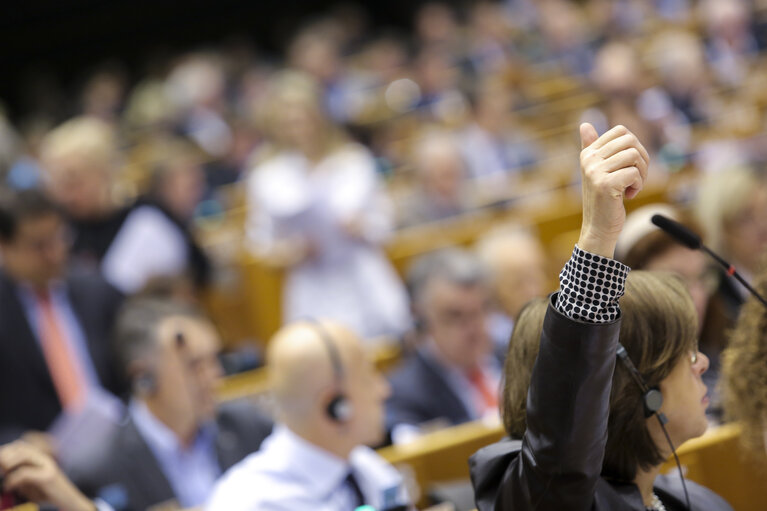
[339,409]
[652,399]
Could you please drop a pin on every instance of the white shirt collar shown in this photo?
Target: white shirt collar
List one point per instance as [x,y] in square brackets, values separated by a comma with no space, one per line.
[323,471]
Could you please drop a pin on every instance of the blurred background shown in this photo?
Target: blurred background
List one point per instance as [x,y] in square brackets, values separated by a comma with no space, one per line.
[435,122]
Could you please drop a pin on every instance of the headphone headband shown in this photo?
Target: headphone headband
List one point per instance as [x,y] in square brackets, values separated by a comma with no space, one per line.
[339,408]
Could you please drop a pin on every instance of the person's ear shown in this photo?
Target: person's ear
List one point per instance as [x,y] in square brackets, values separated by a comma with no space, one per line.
[143,379]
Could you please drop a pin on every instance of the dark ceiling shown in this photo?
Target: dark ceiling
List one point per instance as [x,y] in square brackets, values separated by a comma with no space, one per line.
[64,39]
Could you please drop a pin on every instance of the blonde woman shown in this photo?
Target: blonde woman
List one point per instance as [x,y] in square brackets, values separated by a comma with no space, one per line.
[317,209]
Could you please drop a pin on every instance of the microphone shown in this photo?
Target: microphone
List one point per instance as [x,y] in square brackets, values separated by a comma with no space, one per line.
[689,239]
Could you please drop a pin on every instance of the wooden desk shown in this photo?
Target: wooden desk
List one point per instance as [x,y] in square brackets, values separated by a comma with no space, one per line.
[716,461]
[442,456]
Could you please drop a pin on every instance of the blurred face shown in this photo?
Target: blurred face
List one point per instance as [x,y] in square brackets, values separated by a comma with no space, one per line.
[691,266]
[367,391]
[298,127]
[79,186]
[187,376]
[746,234]
[519,279]
[456,319]
[442,176]
[684,402]
[38,253]
[183,188]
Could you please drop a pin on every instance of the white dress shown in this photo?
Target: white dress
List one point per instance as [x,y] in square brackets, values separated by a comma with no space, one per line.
[349,279]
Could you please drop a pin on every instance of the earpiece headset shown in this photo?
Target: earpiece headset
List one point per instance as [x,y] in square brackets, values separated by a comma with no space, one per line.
[146,382]
[339,409]
[652,400]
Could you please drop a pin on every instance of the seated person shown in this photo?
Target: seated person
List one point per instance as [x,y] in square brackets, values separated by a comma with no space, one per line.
[595,436]
[517,264]
[744,371]
[329,400]
[54,354]
[129,245]
[440,189]
[452,377]
[642,246]
[175,441]
[518,367]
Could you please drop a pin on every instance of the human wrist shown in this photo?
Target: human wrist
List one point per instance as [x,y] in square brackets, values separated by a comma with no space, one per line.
[597,243]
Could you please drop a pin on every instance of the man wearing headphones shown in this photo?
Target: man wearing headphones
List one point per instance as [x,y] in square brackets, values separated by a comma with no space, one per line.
[329,400]
[175,440]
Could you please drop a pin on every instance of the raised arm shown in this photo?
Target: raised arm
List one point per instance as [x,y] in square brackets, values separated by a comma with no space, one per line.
[568,401]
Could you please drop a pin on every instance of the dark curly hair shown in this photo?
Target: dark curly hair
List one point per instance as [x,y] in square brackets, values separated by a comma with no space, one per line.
[744,373]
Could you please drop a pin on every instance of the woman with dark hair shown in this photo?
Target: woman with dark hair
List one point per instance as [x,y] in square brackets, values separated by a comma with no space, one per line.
[594,438]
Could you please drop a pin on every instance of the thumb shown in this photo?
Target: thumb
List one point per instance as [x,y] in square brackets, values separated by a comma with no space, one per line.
[588,135]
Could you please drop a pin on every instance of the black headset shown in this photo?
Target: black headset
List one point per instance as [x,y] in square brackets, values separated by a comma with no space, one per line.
[146,381]
[339,409]
[652,400]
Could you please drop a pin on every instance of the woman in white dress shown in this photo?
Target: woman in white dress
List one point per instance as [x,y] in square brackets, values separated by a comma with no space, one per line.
[317,209]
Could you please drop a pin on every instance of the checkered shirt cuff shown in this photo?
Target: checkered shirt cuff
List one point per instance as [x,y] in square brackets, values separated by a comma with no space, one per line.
[590,286]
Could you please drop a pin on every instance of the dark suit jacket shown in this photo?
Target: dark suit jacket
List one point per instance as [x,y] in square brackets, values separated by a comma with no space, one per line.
[421,393]
[558,464]
[129,477]
[28,399]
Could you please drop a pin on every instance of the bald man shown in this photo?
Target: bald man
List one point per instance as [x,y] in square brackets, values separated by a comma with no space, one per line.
[329,401]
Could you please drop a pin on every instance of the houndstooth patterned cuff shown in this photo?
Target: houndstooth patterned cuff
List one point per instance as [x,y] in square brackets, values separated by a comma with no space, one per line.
[590,286]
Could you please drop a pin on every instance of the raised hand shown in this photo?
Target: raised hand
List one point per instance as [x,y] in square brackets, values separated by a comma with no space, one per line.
[613,166]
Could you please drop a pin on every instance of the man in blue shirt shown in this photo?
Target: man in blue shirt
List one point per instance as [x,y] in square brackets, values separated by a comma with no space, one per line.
[175,440]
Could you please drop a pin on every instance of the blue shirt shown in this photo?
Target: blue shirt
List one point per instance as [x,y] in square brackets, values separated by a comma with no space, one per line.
[290,474]
[191,471]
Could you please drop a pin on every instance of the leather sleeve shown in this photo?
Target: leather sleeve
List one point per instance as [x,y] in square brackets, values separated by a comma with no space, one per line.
[567,410]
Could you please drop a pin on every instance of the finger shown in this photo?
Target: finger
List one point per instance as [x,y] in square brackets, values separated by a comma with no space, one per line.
[589,135]
[23,477]
[18,454]
[612,134]
[630,157]
[621,143]
[627,180]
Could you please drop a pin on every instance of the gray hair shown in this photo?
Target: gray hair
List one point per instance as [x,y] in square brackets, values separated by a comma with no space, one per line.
[454,265]
[138,324]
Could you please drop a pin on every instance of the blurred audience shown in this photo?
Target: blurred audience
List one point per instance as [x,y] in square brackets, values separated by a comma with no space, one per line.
[329,400]
[517,264]
[441,182]
[470,108]
[493,147]
[129,244]
[318,210]
[54,351]
[732,209]
[452,377]
[175,441]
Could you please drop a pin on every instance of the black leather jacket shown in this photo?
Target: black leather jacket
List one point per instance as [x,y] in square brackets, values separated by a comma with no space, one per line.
[557,465]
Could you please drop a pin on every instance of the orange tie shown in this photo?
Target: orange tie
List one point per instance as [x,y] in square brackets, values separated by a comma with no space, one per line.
[489,395]
[66,373]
